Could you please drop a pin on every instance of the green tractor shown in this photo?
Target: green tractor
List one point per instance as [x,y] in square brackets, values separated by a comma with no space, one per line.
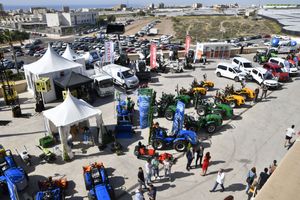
[262,56]
[209,122]
[166,106]
[203,107]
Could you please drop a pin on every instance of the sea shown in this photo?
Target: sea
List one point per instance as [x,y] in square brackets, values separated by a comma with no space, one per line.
[59,7]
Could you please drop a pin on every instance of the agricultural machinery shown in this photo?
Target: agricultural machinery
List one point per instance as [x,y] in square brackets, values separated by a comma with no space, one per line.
[210,122]
[52,189]
[204,107]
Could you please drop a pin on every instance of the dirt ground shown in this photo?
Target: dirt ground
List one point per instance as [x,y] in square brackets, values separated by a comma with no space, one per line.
[164,28]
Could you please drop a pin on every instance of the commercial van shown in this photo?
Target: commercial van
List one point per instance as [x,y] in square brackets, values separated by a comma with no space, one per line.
[103,84]
[230,71]
[122,76]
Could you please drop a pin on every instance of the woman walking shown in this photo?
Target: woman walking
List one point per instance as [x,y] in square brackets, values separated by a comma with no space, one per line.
[205,163]
[250,178]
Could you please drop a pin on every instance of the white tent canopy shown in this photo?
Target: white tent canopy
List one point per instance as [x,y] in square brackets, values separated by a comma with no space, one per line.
[70,54]
[68,113]
[51,62]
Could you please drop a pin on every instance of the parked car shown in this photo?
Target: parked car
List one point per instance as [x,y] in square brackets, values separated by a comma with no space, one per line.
[261,75]
[291,69]
[277,71]
[230,71]
[243,64]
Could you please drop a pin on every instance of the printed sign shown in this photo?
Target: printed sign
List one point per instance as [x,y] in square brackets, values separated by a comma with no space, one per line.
[153,56]
[188,40]
[109,52]
[178,117]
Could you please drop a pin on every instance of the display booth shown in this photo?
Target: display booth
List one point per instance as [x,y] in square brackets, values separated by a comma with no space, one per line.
[72,112]
[51,66]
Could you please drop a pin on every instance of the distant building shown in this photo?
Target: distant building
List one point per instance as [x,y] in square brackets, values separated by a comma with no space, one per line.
[66,9]
[197,5]
[161,5]
[1,7]
[281,6]
[151,6]
[38,10]
[119,7]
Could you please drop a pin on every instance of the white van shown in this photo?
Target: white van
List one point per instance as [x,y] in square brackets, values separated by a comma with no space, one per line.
[122,76]
[230,71]
[243,64]
[261,75]
[103,84]
[286,65]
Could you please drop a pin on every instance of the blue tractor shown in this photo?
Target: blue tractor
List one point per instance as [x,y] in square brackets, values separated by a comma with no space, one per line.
[12,178]
[97,183]
[160,140]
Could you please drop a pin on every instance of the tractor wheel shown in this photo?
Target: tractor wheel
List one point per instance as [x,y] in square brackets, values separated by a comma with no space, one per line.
[201,111]
[211,128]
[232,104]
[169,115]
[218,101]
[155,112]
[158,144]
[192,128]
[236,79]
[180,146]
[218,74]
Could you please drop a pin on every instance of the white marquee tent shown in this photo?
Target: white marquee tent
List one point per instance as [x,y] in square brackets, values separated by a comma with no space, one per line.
[53,66]
[70,54]
[68,113]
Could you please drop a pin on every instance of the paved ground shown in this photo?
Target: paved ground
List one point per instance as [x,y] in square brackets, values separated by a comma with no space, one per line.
[254,138]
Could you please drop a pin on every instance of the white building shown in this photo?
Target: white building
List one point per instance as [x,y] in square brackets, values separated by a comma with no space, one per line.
[197,5]
[70,18]
[1,7]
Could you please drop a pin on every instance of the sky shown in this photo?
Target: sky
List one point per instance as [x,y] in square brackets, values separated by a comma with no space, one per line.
[137,2]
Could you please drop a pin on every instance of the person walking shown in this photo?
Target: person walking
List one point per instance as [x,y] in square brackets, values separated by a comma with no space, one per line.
[250,178]
[139,194]
[141,178]
[167,167]
[264,88]
[148,169]
[256,91]
[263,177]
[190,157]
[152,192]
[155,167]
[290,132]
[205,163]
[253,189]
[272,167]
[198,150]
[219,181]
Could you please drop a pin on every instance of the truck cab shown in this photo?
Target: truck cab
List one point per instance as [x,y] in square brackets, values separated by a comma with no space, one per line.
[103,84]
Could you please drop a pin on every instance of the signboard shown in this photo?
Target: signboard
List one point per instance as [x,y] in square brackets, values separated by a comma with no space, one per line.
[109,52]
[178,117]
[153,55]
[188,40]
[199,51]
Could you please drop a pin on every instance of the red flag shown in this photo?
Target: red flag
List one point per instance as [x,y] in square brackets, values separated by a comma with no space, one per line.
[153,56]
[188,40]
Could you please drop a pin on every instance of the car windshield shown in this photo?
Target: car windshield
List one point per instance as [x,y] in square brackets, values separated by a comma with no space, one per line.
[237,70]
[127,74]
[268,76]
[278,70]
[247,65]
[106,83]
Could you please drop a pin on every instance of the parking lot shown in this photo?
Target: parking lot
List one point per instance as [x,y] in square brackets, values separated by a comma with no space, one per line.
[255,137]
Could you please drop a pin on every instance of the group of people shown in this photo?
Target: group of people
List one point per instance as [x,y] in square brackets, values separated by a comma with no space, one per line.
[196,153]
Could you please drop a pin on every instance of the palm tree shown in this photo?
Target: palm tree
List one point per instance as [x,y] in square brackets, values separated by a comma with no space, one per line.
[8,37]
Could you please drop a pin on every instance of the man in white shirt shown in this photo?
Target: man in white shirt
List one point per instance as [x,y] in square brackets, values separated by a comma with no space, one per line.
[139,194]
[220,180]
[148,170]
[290,132]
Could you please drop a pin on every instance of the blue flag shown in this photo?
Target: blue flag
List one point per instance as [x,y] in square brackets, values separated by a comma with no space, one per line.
[178,117]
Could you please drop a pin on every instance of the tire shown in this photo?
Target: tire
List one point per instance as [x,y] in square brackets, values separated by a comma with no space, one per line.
[211,128]
[169,115]
[201,111]
[236,79]
[180,146]
[218,101]
[219,74]
[232,104]
[158,144]
[155,112]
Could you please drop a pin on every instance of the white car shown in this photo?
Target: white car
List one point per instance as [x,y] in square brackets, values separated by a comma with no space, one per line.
[261,75]
[243,64]
[230,71]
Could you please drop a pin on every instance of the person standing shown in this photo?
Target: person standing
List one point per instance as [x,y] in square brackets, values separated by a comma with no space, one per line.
[198,150]
[256,91]
[139,194]
[167,166]
[141,178]
[290,132]
[263,177]
[220,180]
[205,163]
[155,167]
[190,157]
[272,167]
[250,178]
[152,192]
[264,88]
[148,169]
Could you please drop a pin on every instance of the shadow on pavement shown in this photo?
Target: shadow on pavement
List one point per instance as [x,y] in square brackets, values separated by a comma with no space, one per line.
[236,187]
[165,186]
[177,175]
[215,162]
